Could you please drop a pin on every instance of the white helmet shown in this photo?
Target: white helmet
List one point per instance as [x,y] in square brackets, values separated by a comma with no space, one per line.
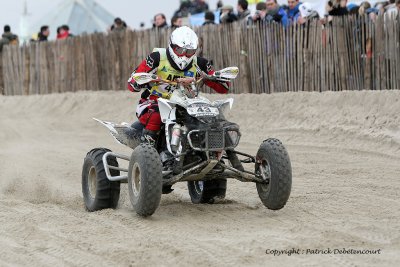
[183,46]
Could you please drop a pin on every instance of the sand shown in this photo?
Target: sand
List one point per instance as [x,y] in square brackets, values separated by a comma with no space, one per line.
[344,149]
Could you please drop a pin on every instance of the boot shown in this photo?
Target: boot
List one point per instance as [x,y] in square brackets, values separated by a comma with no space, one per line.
[133,136]
[166,189]
[149,137]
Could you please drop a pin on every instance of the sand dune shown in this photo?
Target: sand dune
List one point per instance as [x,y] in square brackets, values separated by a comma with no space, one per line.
[345,152]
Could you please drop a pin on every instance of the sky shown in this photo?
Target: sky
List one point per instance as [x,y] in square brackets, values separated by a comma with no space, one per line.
[132,11]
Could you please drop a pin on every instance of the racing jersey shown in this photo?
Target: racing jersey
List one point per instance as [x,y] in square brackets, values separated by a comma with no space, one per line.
[160,63]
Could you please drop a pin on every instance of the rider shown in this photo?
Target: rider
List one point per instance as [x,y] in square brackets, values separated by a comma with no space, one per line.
[176,63]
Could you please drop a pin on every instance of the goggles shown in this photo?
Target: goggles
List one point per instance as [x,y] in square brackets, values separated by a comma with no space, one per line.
[180,51]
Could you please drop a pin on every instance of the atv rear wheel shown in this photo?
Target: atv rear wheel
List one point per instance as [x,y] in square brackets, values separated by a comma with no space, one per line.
[273,161]
[99,192]
[206,191]
[145,180]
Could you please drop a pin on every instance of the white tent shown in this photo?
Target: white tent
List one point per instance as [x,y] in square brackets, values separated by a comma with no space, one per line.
[82,16]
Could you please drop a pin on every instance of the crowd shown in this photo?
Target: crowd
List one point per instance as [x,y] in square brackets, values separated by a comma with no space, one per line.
[63,32]
[268,11]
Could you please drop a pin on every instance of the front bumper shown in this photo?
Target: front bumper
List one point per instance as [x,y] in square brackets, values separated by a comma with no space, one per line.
[212,139]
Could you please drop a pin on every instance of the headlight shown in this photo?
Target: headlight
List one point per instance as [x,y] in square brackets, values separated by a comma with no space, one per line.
[222,109]
[234,137]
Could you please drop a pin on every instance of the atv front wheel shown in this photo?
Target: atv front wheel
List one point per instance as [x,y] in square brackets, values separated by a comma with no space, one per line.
[273,161]
[145,180]
[206,191]
[99,192]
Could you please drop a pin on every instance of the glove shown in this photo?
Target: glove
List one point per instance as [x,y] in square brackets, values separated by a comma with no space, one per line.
[133,86]
[166,95]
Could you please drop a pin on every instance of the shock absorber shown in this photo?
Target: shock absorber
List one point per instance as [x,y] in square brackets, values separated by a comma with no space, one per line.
[175,137]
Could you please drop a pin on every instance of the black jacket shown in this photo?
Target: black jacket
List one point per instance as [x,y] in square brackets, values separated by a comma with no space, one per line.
[339,11]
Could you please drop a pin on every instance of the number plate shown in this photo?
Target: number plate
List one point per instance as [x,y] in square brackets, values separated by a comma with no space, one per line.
[202,111]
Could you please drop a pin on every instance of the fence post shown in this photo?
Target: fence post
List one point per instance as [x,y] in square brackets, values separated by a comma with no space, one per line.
[1,75]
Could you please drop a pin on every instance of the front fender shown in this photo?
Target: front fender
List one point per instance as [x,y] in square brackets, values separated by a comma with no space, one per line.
[167,109]
[222,104]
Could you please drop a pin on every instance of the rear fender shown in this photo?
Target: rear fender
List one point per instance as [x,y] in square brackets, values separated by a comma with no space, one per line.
[116,130]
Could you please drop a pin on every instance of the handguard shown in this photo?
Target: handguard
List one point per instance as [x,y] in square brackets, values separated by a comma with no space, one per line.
[139,81]
[224,75]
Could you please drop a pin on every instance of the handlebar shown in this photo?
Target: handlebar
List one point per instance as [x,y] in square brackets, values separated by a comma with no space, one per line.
[180,85]
[224,75]
[177,83]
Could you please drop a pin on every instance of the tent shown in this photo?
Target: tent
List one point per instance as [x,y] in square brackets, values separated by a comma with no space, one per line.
[82,16]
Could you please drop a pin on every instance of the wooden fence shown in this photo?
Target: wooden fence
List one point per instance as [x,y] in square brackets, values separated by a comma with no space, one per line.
[348,54]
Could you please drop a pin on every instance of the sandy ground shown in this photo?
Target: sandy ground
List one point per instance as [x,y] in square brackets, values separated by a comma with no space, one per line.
[344,148]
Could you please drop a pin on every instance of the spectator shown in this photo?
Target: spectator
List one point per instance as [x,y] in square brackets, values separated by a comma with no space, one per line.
[261,12]
[43,34]
[176,22]
[351,6]
[199,6]
[372,13]
[243,11]
[307,12]
[354,10]
[275,13]
[392,10]
[209,18]
[63,32]
[184,9]
[119,25]
[8,38]
[220,4]
[363,9]
[381,7]
[292,11]
[227,15]
[160,22]
[339,9]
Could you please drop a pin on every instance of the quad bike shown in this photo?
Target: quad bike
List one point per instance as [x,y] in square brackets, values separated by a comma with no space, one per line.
[196,144]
